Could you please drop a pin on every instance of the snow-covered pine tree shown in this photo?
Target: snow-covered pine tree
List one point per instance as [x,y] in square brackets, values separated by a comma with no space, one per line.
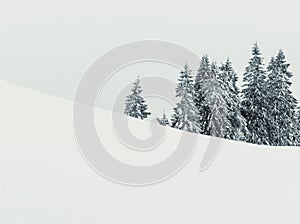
[254,102]
[297,124]
[228,78]
[175,118]
[135,105]
[203,73]
[281,103]
[164,120]
[185,115]
[296,127]
[217,122]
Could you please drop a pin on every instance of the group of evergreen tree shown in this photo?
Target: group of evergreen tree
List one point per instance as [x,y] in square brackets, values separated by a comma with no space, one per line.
[264,112]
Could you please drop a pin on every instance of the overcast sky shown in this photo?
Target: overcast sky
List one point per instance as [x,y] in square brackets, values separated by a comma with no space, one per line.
[48,45]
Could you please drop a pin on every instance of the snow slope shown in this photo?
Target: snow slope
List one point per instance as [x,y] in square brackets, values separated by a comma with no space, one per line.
[44,178]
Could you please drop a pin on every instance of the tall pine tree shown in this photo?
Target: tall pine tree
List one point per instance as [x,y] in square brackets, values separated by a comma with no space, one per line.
[281,103]
[217,123]
[254,103]
[228,77]
[135,105]
[204,72]
[185,115]
[297,124]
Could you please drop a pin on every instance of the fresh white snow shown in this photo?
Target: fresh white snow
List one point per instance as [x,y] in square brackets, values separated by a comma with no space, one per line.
[44,178]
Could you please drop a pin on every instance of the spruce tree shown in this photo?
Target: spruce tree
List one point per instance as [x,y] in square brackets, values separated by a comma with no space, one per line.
[228,78]
[135,105]
[164,120]
[281,103]
[217,123]
[254,103]
[203,73]
[175,118]
[185,115]
[297,125]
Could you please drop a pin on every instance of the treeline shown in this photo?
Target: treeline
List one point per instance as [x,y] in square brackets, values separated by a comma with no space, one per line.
[264,112]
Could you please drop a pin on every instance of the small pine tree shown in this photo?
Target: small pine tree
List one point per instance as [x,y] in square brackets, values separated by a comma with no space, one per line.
[185,115]
[228,78]
[135,105]
[217,122]
[203,73]
[164,120]
[281,103]
[254,103]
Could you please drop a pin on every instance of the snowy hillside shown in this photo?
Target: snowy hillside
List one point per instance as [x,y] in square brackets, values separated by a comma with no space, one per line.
[45,179]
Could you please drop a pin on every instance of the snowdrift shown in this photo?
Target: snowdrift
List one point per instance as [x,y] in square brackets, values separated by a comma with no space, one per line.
[45,179]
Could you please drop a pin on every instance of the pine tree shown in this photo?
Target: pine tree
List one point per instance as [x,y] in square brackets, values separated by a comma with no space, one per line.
[281,103]
[203,73]
[176,117]
[217,122]
[228,77]
[254,99]
[297,125]
[185,115]
[135,105]
[164,120]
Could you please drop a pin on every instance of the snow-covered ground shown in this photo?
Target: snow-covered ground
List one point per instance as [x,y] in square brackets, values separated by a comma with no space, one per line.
[45,179]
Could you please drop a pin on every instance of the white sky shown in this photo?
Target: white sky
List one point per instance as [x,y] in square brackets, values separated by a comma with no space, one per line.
[48,45]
